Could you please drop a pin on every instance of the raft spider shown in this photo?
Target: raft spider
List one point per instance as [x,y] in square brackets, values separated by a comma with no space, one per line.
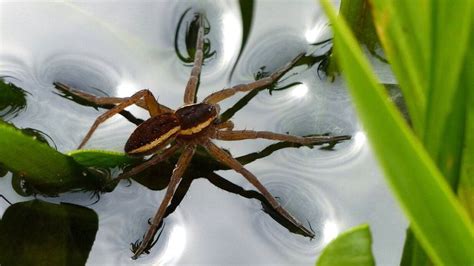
[193,124]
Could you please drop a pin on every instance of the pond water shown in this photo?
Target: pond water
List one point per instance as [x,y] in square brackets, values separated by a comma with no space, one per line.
[116,48]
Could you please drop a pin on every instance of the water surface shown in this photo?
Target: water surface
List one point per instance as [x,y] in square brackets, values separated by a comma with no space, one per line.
[116,48]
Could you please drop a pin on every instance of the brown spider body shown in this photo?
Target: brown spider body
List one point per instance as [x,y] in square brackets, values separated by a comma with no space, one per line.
[186,123]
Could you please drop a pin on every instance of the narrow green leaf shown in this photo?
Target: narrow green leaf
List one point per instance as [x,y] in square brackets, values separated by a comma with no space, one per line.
[450,36]
[397,20]
[438,221]
[413,254]
[352,247]
[44,168]
[359,18]
[466,184]
[450,149]
[437,50]
[41,233]
[102,158]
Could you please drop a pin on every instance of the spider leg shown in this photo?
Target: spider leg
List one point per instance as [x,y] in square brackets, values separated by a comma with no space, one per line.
[261,83]
[190,92]
[152,161]
[151,105]
[250,134]
[178,172]
[225,158]
[103,100]
[228,125]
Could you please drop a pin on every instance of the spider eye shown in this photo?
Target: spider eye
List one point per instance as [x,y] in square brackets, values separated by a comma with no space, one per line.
[153,134]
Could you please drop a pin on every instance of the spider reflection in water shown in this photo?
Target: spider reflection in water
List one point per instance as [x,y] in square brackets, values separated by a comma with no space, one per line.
[167,131]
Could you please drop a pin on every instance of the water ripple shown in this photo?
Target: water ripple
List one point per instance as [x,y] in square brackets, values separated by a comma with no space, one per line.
[271,52]
[224,37]
[81,71]
[318,122]
[124,219]
[302,199]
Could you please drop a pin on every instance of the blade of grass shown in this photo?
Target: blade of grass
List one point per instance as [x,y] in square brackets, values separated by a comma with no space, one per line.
[413,253]
[438,220]
[449,39]
[442,46]
[352,247]
[359,19]
[408,60]
[466,184]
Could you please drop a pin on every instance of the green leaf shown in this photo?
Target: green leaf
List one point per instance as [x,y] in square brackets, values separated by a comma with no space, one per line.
[42,167]
[352,247]
[413,254]
[102,158]
[358,17]
[428,30]
[466,184]
[41,233]
[438,220]
[449,41]
[400,21]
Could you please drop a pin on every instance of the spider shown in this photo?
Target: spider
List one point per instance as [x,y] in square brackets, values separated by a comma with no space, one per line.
[193,124]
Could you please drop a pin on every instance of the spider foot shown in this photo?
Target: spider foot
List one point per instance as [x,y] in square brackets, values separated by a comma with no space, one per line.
[139,247]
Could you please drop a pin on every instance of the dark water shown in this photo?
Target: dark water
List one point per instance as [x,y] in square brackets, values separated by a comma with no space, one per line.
[117,48]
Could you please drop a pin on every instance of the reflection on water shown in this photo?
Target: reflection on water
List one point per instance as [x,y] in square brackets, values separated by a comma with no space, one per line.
[106,48]
[13,100]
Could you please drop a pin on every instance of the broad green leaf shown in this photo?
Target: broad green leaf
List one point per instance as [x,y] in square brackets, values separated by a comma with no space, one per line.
[44,168]
[40,233]
[438,220]
[351,248]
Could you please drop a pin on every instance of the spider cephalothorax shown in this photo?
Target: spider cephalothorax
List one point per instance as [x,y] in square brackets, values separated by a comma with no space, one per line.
[193,124]
[188,122]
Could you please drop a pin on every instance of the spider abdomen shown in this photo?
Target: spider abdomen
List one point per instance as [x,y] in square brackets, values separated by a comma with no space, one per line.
[195,118]
[153,134]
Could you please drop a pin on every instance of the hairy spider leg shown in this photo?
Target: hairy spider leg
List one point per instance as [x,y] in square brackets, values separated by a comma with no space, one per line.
[178,172]
[103,100]
[190,92]
[150,102]
[221,95]
[225,158]
[251,134]
[165,154]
